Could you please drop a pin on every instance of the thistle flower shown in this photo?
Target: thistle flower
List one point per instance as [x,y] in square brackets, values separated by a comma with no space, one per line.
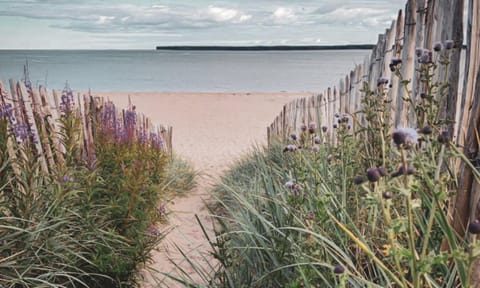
[291,147]
[383,171]
[293,136]
[303,127]
[324,129]
[289,184]
[449,44]
[358,179]
[396,61]
[443,137]
[418,51]
[316,139]
[401,170]
[373,175]
[437,46]
[315,149]
[474,227]
[338,269]
[426,57]
[427,130]
[405,137]
[382,81]
[387,195]
[312,125]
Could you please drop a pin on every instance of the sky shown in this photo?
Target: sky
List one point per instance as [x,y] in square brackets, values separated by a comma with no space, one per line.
[143,24]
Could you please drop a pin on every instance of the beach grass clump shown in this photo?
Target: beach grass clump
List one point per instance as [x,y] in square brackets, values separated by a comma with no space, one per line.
[368,207]
[87,221]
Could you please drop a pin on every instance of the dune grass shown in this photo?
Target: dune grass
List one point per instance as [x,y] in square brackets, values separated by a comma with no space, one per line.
[360,204]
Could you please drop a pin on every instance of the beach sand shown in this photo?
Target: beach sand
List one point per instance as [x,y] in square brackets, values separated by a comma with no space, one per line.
[211,130]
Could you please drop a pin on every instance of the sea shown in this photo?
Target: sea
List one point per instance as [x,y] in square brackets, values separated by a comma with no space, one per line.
[181,71]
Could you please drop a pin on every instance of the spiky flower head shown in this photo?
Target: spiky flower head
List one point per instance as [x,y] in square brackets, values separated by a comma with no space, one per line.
[405,137]
[437,47]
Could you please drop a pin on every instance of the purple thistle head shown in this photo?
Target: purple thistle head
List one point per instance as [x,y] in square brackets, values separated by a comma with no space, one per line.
[373,175]
[303,127]
[289,184]
[324,129]
[405,136]
[293,136]
[449,44]
[382,81]
[315,149]
[418,51]
[437,47]
[426,57]
[316,139]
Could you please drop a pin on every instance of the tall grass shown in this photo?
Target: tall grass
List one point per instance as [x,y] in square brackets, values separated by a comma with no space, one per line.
[369,209]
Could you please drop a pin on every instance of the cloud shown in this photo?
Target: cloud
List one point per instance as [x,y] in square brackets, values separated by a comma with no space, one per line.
[283,15]
[220,14]
[207,22]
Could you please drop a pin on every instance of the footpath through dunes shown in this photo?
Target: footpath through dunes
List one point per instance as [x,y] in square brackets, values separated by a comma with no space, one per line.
[211,130]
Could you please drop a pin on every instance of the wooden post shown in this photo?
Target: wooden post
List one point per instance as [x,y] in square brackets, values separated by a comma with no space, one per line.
[23,98]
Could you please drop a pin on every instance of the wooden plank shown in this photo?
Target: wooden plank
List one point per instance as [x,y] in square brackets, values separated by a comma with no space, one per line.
[24,98]
[41,126]
[472,66]
[407,68]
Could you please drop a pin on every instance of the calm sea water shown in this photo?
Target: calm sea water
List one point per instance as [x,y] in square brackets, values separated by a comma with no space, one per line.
[151,70]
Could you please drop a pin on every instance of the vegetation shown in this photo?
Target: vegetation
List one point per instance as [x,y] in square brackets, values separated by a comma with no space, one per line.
[89,221]
[366,205]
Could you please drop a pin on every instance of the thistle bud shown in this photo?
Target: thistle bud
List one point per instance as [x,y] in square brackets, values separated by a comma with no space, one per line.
[338,269]
[427,130]
[373,175]
[437,47]
[387,195]
[474,227]
[449,44]
[358,179]
[383,171]
[316,140]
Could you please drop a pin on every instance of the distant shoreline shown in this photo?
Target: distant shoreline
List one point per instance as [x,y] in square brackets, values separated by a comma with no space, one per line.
[268,48]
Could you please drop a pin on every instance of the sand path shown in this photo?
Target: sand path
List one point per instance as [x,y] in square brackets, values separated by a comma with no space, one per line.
[211,130]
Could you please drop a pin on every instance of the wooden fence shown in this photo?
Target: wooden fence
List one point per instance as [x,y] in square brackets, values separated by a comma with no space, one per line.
[422,24]
[35,113]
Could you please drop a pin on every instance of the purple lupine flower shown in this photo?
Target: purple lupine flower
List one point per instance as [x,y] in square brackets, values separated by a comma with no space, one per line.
[67,101]
[21,132]
[153,231]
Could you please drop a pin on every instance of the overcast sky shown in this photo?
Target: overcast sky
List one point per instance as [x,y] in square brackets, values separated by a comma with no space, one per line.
[144,24]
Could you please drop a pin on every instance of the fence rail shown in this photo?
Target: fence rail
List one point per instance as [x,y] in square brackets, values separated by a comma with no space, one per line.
[422,24]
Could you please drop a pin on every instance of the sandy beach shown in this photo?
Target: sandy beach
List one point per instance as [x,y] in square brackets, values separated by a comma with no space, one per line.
[210,130]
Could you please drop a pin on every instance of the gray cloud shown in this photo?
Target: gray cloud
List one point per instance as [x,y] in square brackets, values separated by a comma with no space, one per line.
[207,22]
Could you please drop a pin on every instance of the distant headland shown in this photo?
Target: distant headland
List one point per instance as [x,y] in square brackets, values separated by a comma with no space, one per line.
[269,48]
